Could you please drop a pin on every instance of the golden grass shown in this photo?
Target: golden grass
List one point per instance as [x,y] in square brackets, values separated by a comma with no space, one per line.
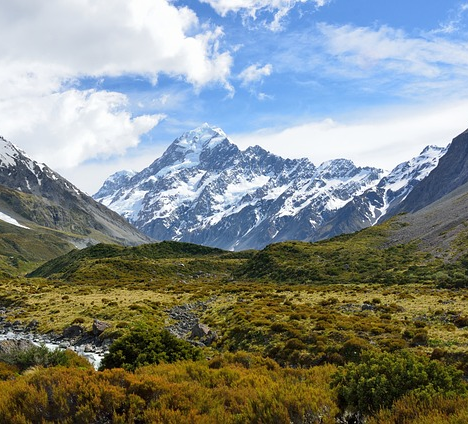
[57,305]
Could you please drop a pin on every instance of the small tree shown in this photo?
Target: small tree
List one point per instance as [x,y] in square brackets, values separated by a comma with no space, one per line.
[145,346]
[379,379]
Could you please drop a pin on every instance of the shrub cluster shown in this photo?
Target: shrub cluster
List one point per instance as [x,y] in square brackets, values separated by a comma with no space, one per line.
[146,346]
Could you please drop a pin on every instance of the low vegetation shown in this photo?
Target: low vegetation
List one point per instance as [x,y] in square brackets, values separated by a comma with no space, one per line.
[351,328]
[145,346]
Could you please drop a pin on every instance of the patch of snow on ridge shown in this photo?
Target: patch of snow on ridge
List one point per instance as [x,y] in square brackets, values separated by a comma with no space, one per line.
[10,220]
[415,169]
[8,153]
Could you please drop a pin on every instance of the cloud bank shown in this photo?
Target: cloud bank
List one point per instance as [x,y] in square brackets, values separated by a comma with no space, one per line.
[383,141]
[47,47]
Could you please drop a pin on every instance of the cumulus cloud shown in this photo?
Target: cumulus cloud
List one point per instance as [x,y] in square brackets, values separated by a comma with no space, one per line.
[254,73]
[253,8]
[98,37]
[383,141]
[67,128]
[47,47]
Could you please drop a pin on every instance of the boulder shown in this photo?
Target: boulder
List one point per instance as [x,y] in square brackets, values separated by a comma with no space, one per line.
[73,331]
[9,346]
[99,327]
[200,331]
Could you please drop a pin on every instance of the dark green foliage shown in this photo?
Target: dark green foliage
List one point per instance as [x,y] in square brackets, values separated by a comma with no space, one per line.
[173,249]
[42,356]
[144,346]
[112,262]
[380,379]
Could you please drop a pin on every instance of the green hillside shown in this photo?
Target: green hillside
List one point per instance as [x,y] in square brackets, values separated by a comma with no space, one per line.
[363,257]
[294,311]
[164,260]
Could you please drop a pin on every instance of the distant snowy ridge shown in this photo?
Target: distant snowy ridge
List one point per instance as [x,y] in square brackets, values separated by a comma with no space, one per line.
[203,189]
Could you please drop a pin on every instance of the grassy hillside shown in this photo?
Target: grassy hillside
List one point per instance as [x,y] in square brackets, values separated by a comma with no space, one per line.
[163,260]
[23,249]
[298,312]
[364,257]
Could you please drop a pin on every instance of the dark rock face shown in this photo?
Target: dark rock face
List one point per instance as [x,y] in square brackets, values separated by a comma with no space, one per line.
[56,203]
[451,173]
[73,331]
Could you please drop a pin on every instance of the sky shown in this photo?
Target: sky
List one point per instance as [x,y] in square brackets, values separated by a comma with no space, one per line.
[91,87]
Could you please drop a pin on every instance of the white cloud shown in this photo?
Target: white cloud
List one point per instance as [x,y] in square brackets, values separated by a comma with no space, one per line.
[90,176]
[254,73]
[98,37]
[383,141]
[65,129]
[387,49]
[252,8]
[455,21]
[46,47]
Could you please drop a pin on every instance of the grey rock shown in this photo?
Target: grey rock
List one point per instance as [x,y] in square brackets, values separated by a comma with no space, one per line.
[73,331]
[10,346]
[368,307]
[99,327]
[200,331]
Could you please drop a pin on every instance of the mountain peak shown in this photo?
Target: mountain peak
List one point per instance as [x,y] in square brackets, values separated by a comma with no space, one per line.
[9,153]
[203,137]
[432,149]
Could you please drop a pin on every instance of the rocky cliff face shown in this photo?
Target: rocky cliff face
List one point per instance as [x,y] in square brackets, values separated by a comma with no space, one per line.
[451,173]
[35,194]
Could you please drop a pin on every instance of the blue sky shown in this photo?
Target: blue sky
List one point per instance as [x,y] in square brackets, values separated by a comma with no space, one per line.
[94,86]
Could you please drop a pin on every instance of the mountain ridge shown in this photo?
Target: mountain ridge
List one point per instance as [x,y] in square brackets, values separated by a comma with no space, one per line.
[205,190]
[44,205]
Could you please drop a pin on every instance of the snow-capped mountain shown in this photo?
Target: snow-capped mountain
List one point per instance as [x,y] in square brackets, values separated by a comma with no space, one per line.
[205,190]
[395,187]
[32,193]
[382,200]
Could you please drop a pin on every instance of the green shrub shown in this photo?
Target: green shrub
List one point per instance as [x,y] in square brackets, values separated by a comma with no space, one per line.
[381,378]
[145,346]
[44,357]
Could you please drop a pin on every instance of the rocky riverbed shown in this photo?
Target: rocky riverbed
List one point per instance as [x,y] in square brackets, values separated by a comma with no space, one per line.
[88,344]
[184,322]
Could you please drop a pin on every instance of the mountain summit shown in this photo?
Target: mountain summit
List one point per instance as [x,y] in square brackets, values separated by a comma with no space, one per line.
[205,190]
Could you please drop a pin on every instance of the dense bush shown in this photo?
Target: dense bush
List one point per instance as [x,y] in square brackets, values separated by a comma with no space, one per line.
[144,346]
[231,389]
[438,410]
[380,379]
[44,357]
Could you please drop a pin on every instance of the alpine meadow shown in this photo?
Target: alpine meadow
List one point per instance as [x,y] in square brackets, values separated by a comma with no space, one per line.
[229,212]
